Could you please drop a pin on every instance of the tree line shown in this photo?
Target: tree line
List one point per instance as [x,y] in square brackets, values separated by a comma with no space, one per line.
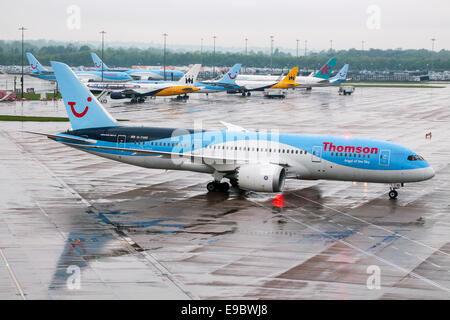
[372,59]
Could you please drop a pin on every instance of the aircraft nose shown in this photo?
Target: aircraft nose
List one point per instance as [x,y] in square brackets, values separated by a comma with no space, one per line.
[428,173]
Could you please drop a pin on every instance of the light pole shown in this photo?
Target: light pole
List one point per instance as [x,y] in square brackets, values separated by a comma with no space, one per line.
[432,44]
[214,58]
[306,43]
[201,51]
[362,45]
[297,47]
[103,42]
[271,53]
[165,36]
[331,45]
[432,49]
[246,40]
[21,79]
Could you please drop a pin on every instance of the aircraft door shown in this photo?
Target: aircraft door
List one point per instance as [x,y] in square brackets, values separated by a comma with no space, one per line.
[316,154]
[385,157]
[121,139]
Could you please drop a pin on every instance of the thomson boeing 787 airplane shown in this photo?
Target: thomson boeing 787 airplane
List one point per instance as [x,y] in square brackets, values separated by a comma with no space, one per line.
[255,161]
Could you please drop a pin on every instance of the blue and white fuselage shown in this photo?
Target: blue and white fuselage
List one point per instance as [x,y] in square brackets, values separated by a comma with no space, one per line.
[255,161]
[139,74]
[39,71]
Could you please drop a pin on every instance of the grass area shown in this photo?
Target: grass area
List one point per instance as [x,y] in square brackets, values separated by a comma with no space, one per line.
[38,119]
[52,95]
[391,85]
[32,118]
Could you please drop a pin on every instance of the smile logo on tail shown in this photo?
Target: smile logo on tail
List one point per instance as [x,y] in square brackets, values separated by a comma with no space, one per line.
[97,65]
[76,114]
[342,74]
[231,77]
[33,67]
[325,70]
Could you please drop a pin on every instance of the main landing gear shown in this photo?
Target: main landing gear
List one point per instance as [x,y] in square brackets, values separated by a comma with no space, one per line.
[246,93]
[393,194]
[183,98]
[217,186]
[137,100]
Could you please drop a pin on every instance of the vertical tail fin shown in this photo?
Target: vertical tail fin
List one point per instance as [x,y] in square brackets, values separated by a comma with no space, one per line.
[36,66]
[326,70]
[231,76]
[191,76]
[98,62]
[290,77]
[82,107]
[342,74]
[288,81]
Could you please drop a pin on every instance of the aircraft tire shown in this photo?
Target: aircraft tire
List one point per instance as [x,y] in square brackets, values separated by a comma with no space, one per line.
[393,194]
[212,186]
[224,186]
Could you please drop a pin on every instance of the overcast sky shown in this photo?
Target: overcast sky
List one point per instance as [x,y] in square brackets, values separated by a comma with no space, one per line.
[381,24]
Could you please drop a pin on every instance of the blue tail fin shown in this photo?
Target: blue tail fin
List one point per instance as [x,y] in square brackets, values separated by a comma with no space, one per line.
[231,76]
[341,76]
[98,63]
[35,65]
[326,70]
[82,107]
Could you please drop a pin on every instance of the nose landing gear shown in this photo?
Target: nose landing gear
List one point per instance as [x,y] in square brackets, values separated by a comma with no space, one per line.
[393,194]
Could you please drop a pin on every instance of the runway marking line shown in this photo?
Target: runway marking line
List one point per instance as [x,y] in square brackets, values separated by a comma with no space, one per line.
[11,272]
[372,224]
[358,249]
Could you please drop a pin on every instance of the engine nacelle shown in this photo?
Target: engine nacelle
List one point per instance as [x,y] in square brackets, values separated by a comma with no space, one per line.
[117,95]
[261,177]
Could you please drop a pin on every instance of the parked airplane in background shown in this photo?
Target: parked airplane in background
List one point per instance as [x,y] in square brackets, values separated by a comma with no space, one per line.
[227,82]
[313,80]
[138,91]
[254,161]
[340,77]
[38,71]
[246,86]
[140,74]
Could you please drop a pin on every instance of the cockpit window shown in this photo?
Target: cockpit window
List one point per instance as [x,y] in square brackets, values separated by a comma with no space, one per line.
[415,157]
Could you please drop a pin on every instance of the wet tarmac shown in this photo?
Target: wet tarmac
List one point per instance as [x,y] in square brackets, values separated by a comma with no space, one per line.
[76,226]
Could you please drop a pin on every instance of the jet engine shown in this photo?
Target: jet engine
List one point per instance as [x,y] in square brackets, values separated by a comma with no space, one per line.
[117,95]
[261,177]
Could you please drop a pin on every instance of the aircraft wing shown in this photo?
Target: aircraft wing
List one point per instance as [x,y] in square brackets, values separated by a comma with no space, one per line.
[233,127]
[218,84]
[65,137]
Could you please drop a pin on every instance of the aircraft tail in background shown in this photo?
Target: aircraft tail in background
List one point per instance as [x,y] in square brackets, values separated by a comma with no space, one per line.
[98,62]
[341,76]
[231,76]
[191,76]
[288,81]
[326,70]
[35,65]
